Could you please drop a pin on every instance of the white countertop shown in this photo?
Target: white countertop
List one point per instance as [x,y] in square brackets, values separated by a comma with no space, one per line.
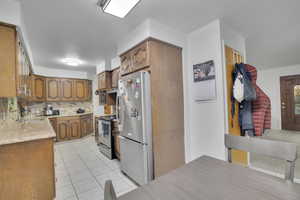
[16,132]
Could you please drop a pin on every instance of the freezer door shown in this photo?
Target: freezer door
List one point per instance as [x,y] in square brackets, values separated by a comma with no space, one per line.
[135,107]
[136,161]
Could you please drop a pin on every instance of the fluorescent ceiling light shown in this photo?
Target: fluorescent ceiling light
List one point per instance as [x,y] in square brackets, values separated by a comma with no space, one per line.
[72,61]
[119,8]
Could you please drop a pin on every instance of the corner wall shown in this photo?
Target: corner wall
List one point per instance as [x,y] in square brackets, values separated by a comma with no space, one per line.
[269,81]
[206,119]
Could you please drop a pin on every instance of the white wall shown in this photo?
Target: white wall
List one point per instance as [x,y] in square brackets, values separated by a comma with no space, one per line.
[98,110]
[151,28]
[269,81]
[140,33]
[51,72]
[115,62]
[206,119]
[10,12]
[233,39]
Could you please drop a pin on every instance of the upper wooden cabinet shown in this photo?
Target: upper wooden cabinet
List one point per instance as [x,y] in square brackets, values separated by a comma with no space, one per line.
[126,66]
[140,56]
[65,89]
[80,90]
[115,78]
[135,59]
[14,64]
[38,88]
[104,80]
[53,87]
[89,90]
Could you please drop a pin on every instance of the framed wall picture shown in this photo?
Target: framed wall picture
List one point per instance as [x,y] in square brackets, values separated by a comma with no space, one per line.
[204,78]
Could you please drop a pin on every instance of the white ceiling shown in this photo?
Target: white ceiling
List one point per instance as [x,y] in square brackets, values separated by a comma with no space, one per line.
[61,28]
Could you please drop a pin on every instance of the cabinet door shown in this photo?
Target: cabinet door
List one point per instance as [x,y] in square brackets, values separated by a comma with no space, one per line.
[74,128]
[117,145]
[62,130]
[84,126]
[67,90]
[53,123]
[53,90]
[79,90]
[125,64]
[115,78]
[101,81]
[140,57]
[88,91]
[8,63]
[38,88]
[90,125]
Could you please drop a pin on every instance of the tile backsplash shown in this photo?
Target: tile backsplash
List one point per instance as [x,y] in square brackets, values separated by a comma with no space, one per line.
[65,108]
[9,109]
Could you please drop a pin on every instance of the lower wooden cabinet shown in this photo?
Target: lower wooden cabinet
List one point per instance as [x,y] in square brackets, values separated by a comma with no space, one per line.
[86,122]
[117,146]
[27,170]
[63,130]
[68,128]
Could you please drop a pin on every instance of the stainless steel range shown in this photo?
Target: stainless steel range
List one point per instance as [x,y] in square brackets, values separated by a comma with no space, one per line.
[105,136]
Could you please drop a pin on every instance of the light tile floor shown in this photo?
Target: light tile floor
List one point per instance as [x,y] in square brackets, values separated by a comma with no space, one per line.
[81,171]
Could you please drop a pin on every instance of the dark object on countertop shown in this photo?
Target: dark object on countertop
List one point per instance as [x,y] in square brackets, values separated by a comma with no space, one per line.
[80,111]
[56,112]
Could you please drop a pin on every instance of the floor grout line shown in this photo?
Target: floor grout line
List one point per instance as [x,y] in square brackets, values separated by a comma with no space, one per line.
[73,148]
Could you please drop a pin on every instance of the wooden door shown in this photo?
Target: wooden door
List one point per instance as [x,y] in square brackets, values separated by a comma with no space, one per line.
[290,102]
[62,130]
[79,90]
[233,57]
[53,89]
[38,88]
[74,128]
[8,62]
[67,90]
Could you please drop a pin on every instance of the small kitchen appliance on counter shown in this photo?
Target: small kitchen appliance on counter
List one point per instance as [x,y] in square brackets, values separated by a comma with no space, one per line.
[48,111]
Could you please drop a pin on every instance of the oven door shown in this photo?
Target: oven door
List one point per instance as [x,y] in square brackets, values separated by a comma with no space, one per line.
[105,132]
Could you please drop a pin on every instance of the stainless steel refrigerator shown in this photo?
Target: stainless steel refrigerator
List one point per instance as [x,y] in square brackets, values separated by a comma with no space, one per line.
[136,127]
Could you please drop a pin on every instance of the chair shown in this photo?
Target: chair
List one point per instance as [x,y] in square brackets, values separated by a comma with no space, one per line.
[109,191]
[276,149]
